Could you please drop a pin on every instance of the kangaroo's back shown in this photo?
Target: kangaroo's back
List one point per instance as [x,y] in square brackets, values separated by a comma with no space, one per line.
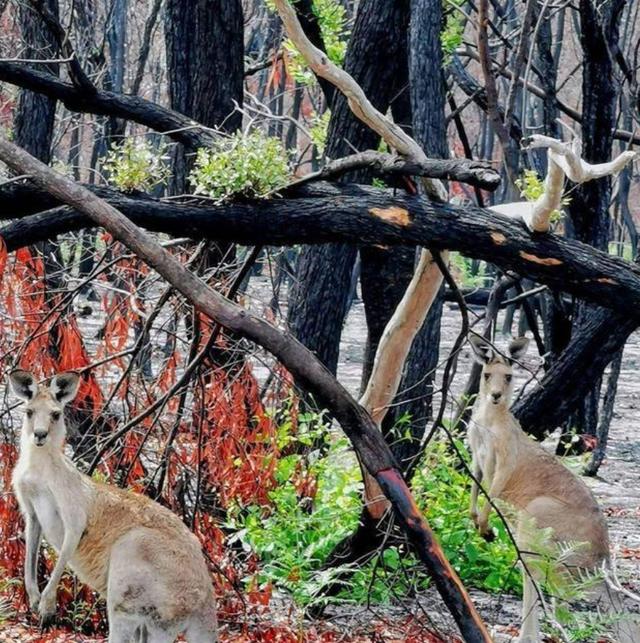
[116,512]
[545,490]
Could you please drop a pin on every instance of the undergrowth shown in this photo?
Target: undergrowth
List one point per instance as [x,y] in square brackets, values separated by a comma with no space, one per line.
[294,535]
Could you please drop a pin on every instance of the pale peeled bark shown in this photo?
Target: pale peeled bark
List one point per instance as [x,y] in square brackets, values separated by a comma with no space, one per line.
[563,162]
[391,355]
[359,104]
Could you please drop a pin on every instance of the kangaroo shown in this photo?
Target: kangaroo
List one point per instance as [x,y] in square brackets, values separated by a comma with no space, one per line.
[136,553]
[518,470]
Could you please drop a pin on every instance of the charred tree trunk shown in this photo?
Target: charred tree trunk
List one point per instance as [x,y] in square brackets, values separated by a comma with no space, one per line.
[34,118]
[589,207]
[205,63]
[386,273]
[320,299]
[117,39]
[205,57]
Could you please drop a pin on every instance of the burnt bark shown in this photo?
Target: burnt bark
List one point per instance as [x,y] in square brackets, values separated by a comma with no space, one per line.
[355,215]
[589,207]
[34,117]
[205,68]
[320,298]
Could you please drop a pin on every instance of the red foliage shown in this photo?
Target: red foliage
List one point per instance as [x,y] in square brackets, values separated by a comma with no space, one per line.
[220,443]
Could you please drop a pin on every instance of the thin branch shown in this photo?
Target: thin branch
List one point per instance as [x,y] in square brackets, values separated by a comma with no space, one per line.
[104,103]
[263,64]
[359,104]
[474,173]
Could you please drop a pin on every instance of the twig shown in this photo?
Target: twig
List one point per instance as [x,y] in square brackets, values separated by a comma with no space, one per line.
[38,61]
[263,64]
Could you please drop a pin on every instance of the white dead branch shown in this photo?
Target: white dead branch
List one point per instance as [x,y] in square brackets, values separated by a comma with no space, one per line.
[563,161]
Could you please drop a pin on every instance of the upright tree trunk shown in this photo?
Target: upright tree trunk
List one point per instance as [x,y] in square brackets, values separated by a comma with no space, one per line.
[386,274]
[117,39]
[589,207]
[205,66]
[320,299]
[34,117]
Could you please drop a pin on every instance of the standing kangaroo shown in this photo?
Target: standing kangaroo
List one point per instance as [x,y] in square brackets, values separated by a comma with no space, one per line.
[519,471]
[134,552]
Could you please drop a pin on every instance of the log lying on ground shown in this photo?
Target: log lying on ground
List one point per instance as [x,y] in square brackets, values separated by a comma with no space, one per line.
[369,216]
[306,368]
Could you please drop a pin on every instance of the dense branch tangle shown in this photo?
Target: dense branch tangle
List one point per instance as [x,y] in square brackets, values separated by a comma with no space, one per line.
[367,440]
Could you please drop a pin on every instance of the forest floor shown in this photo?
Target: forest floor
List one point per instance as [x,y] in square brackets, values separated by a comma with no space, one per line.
[617,488]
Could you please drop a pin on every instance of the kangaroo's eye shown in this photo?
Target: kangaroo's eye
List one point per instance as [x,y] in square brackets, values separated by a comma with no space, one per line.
[508,377]
[487,376]
[29,413]
[55,416]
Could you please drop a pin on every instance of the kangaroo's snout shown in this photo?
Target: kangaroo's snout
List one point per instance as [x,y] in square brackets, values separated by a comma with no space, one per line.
[495,397]
[40,437]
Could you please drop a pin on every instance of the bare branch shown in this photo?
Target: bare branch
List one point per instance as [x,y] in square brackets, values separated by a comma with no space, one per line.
[563,161]
[175,125]
[474,173]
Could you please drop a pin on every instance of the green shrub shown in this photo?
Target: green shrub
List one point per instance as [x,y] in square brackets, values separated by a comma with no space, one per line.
[464,273]
[136,165]
[318,130]
[293,540]
[242,165]
[442,489]
[452,33]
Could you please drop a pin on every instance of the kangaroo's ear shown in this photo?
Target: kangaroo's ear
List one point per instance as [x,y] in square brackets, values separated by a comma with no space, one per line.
[482,349]
[23,385]
[64,387]
[518,347]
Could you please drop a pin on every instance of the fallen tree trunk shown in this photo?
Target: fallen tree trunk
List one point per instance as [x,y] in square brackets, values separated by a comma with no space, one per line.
[369,216]
[367,440]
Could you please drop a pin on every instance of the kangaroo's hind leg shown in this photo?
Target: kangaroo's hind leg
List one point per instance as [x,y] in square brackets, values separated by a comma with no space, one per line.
[530,627]
[122,629]
[202,628]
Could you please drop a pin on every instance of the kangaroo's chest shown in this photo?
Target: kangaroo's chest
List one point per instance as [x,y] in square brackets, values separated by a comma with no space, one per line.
[35,494]
[481,440]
